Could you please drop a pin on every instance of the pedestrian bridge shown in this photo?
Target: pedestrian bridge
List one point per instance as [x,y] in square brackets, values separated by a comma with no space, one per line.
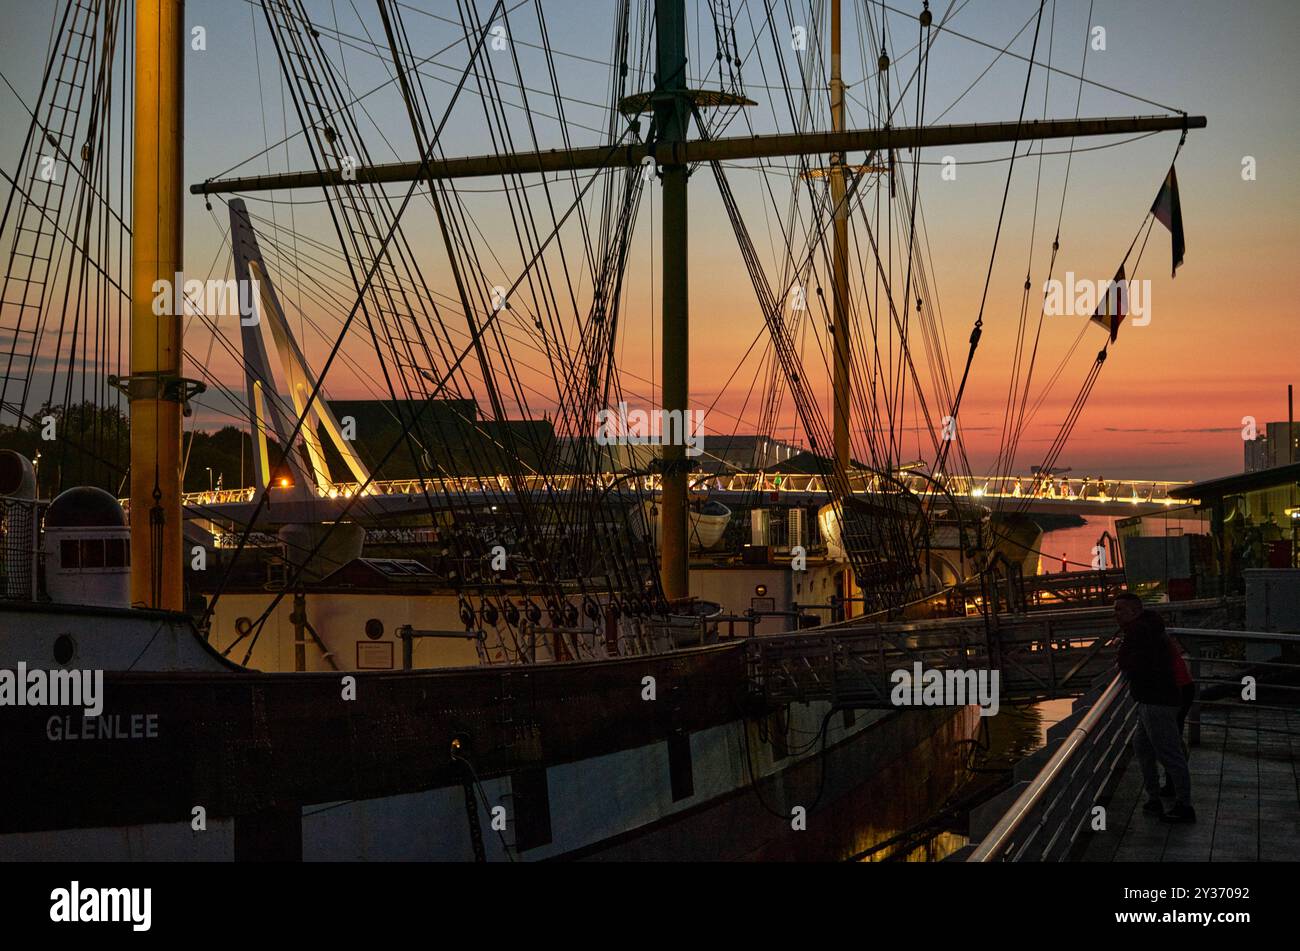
[1079,496]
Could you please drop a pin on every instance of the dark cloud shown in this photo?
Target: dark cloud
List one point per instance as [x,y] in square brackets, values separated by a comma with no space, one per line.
[1218,429]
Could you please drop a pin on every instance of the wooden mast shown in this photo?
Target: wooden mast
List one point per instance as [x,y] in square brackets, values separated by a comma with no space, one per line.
[155,391]
[841,363]
[839,260]
[672,114]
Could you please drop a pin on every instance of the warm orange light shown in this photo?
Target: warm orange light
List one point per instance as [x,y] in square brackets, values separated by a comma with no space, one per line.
[284,483]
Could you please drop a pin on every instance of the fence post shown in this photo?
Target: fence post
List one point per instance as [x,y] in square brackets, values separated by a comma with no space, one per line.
[1194,714]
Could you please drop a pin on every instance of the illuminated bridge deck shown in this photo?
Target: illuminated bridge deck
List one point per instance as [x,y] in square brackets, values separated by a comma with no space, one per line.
[1081,496]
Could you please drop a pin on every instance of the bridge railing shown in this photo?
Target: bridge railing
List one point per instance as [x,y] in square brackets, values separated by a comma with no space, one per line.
[1103,491]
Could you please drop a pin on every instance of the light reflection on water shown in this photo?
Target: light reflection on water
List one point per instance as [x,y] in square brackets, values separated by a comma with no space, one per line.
[1016,731]
[1004,739]
[1075,544]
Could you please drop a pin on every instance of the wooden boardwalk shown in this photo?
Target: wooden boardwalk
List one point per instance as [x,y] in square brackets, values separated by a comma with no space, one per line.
[1245,789]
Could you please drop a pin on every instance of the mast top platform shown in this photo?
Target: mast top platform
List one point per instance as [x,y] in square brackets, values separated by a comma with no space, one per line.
[702,99]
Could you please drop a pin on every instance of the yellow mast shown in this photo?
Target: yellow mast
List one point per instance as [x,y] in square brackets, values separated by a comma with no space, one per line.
[155,389]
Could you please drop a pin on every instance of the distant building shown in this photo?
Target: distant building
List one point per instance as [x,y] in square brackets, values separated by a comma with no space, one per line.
[446,438]
[1254,518]
[1270,448]
[452,438]
[734,453]
[718,454]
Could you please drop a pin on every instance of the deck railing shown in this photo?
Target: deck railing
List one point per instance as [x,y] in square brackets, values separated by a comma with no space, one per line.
[1048,818]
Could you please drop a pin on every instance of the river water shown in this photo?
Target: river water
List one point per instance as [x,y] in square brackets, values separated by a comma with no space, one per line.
[1015,732]
[1004,740]
[1073,544]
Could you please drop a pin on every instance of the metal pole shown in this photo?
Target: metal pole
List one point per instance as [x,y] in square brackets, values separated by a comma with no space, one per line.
[1290,449]
[299,619]
[1290,425]
[672,116]
[156,254]
[1194,714]
[408,646]
[839,259]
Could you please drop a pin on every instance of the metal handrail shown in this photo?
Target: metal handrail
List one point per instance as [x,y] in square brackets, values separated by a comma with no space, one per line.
[993,845]
[1268,637]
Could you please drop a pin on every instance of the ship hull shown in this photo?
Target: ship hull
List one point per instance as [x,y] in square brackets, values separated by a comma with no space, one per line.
[890,775]
[649,757]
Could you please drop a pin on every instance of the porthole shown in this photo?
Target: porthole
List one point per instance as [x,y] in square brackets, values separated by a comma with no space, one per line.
[64,649]
[374,629]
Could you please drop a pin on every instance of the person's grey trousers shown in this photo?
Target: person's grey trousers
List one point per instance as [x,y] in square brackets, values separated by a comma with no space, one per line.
[1157,737]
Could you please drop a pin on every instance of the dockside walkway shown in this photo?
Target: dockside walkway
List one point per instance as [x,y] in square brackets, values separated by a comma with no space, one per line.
[1245,789]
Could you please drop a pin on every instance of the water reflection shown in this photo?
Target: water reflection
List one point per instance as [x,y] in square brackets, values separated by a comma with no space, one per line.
[910,821]
[1001,742]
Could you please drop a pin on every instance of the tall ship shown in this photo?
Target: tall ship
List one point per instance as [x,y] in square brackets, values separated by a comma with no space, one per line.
[457,580]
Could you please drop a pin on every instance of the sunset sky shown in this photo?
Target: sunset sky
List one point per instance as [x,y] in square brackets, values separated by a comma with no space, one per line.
[1222,339]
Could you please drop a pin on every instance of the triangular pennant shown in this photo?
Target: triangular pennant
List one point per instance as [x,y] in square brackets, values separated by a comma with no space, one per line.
[1113,306]
[1169,212]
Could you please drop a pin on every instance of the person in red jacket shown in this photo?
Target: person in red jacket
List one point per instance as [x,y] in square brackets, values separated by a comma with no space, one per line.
[1145,657]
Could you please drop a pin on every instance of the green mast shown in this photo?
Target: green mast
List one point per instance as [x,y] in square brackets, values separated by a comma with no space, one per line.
[672,113]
